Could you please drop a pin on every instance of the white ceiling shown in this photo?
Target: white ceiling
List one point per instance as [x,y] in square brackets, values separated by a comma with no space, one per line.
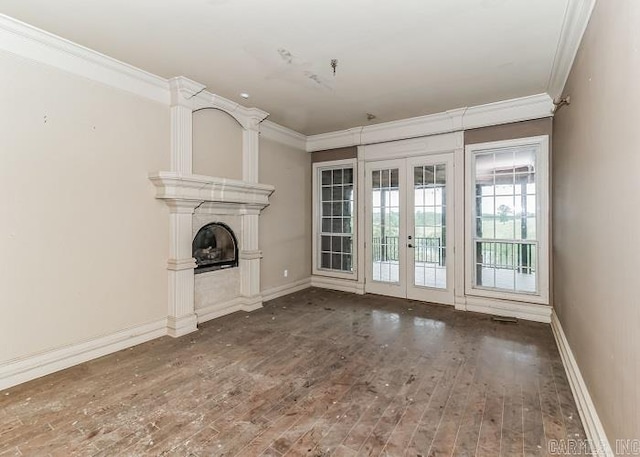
[395,59]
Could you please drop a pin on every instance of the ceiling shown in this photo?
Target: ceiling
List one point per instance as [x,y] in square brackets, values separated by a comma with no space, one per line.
[395,59]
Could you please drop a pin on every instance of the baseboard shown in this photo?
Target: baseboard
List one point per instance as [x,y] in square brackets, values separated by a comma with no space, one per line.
[220,309]
[343,285]
[22,370]
[526,311]
[286,289]
[590,420]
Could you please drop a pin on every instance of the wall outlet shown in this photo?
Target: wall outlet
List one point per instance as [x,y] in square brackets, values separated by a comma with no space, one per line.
[286,273]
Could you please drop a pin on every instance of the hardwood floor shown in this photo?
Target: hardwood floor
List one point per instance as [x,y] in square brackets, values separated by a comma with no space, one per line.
[316,373]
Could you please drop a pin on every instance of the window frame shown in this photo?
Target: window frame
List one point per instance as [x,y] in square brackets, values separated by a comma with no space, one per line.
[543,190]
[318,168]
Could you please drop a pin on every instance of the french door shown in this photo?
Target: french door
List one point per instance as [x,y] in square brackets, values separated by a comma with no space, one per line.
[409,228]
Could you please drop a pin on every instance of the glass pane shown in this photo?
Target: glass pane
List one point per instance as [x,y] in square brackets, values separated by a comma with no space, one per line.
[441,174]
[375,179]
[336,244]
[385,220]
[418,176]
[337,176]
[325,261]
[326,177]
[326,224]
[336,225]
[429,175]
[326,243]
[346,262]
[326,209]
[346,244]
[346,225]
[430,266]
[348,176]
[336,261]
[336,193]
[348,193]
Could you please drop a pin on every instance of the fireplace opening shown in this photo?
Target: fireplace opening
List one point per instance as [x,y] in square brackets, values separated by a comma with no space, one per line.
[215,247]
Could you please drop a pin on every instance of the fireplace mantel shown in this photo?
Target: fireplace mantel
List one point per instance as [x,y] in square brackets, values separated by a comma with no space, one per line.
[198,189]
[185,193]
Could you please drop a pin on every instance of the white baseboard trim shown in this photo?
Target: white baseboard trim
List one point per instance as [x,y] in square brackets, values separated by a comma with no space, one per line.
[526,311]
[286,289]
[343,285]
[222,309]
[17,371]
[590,420]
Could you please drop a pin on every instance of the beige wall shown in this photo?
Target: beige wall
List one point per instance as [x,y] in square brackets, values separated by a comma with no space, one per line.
[335,154]
[511,131]
[285,225]
[596,217]
[217,144]
[83,241]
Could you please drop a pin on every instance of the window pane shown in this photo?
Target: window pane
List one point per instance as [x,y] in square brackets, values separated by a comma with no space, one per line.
[346,262]
[337,176]
[326,224]
[326,177]
[348,193]
[325,261]
[348,176]
[336,192]
[326,209]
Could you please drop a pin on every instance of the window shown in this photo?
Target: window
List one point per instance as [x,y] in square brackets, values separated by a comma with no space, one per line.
[508,252]
[334,246]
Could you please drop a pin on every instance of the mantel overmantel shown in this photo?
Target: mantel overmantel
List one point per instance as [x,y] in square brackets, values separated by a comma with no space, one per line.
[196,189]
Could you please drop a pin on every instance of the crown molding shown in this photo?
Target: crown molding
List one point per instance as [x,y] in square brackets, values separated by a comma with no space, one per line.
[32,43]
[503,112]
[575,24]
[276,132]
[507,111]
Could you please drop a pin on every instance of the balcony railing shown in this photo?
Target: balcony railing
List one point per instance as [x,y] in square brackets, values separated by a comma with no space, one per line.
[518,256]
[427,250]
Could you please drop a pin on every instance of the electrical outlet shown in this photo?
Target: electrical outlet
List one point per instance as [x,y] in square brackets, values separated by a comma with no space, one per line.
[286,273]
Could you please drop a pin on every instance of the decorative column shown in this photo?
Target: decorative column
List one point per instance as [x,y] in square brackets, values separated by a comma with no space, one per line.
[250,149]
[181,318]
[250,257]
[250,254]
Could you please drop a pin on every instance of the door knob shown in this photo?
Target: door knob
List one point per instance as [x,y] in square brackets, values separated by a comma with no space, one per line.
[409,245]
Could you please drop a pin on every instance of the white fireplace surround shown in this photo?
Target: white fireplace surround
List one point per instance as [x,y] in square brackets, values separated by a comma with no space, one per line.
[183,192]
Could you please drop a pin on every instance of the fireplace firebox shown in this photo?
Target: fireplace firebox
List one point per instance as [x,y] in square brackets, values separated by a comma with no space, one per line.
[215,247]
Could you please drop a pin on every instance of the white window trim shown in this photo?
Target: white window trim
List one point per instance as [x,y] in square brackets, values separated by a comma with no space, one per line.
[542,222]
[317,220]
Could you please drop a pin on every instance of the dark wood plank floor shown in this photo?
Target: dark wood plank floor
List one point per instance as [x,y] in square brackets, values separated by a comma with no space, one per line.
[316,373]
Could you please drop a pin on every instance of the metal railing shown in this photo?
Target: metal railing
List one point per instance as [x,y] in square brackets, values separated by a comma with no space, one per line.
[427,250]
[519,255]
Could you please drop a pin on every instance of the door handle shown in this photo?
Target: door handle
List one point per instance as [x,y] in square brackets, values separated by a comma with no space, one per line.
[409,245]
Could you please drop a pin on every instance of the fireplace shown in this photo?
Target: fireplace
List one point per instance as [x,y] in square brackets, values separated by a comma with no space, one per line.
[215,247]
